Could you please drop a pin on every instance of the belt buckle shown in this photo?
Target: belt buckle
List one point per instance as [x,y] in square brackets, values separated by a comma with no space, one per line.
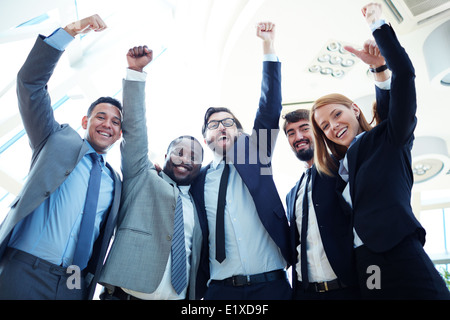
[319,288]
[239,283]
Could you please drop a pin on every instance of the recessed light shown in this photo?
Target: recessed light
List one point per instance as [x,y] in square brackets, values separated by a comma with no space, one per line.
[331,59]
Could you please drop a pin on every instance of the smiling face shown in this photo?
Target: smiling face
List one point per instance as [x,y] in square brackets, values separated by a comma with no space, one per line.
[300,139]
[222,138]
[338,122]
[183,161]
[103,127]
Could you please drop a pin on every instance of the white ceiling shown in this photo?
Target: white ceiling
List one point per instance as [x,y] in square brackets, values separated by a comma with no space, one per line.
[210,56]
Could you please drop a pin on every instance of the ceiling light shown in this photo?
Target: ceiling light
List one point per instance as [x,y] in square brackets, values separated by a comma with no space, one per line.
[436,49]
[314,68]
[338,73]
[326,70]
[332,60]
[324,58]
[430,157]
[348,62]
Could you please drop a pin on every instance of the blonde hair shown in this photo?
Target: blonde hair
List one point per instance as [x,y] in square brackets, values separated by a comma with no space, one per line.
[324,161]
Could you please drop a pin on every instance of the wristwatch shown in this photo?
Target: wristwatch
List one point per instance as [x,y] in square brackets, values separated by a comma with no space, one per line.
[379,69]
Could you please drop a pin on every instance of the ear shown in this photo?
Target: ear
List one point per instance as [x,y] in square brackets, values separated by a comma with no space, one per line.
[356,110]
[84,122]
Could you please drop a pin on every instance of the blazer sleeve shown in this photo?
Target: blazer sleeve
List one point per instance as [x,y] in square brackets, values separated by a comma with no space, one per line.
[382,101]
[134,146]
[402,105]
[266,125]
[32,93]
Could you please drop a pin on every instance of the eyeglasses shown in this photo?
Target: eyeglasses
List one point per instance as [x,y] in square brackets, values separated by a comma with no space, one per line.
[214,124]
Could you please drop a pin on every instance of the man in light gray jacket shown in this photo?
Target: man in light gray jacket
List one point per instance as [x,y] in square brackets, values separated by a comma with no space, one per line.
[40,236]
[142,258]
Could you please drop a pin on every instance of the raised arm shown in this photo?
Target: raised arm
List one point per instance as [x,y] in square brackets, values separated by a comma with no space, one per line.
[403,105]
[269,111]
[134,147]
[33,97]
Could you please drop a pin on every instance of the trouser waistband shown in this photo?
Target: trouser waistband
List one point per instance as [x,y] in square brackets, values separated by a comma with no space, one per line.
[243,280]
[35,262]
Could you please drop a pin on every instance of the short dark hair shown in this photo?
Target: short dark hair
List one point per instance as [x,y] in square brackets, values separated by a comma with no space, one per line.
[295,116]
[109,100]
[213,110]
[176,140]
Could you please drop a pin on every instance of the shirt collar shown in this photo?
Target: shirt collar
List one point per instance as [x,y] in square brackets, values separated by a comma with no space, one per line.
[91,150]
[184,189]
[357,138]
[218,159]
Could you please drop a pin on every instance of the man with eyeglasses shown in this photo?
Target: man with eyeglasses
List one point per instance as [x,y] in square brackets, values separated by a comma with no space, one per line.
[249,248]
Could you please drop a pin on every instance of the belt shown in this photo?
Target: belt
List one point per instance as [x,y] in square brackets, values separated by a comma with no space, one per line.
[323,286]
[122,295]
[246,280]
[36,262]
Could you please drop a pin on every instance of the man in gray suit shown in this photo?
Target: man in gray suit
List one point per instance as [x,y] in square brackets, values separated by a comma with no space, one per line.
[140,263]
[39,236]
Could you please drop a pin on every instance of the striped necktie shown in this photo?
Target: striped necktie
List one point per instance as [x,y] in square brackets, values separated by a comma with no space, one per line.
[179,279]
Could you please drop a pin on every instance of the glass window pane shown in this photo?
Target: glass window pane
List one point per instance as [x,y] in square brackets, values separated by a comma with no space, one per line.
[432,221]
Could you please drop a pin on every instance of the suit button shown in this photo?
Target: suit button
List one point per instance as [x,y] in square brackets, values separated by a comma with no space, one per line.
[67,173]
[47,193]
[169,237]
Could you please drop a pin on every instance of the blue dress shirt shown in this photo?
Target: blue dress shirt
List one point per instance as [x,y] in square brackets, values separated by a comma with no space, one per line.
[50,232]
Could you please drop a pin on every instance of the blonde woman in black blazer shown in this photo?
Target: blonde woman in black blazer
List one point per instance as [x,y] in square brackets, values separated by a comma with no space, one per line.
[376,164]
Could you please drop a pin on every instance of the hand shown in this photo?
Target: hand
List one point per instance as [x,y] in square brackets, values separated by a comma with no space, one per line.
[372,12]
[139,57]
[85,25]
[266,31]
[370,54]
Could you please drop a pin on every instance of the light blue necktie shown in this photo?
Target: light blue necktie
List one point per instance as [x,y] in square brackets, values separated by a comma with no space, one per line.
[178,276]
[83,248]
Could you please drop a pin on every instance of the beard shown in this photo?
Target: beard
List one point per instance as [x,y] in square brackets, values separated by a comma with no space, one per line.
[305,155]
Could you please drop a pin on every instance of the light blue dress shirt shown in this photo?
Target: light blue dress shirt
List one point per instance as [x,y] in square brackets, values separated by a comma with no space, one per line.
[50,232]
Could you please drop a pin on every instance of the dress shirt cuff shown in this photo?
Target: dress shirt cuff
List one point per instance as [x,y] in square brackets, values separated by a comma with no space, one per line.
[270,57]
[59,39]
[377,24]
[133,75]
[385,85]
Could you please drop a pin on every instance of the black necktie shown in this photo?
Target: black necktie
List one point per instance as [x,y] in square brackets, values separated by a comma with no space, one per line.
[220,224]
[304,263]
[83,248]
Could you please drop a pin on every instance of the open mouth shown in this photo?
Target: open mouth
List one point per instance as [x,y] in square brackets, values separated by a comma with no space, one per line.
[105,134]
[301,144]
[222,139]
[183,168]
[341,132]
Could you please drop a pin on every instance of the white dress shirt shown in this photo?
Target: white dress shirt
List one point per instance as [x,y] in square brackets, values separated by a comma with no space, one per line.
[319,268]
[248,246]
